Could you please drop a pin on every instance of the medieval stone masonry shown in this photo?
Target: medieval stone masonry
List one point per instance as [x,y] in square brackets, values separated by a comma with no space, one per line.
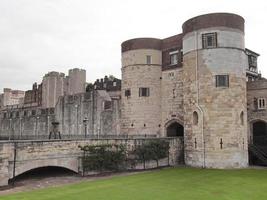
[11,97]
[196,87]
[201,85]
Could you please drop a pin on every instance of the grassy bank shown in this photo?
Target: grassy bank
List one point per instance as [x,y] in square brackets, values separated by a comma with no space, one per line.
[166,184]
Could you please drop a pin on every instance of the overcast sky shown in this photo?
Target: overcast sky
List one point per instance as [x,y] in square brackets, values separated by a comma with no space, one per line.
[37,36]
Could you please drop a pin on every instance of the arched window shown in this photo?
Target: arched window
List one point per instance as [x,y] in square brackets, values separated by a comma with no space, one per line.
[261,103]
[242,118]
[195,118]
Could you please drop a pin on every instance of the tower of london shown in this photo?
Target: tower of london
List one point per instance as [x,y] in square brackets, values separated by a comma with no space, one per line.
[201,85]
[193,85]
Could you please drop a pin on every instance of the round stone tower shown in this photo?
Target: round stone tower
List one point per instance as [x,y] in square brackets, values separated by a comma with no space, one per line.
[141,86]
[214,79]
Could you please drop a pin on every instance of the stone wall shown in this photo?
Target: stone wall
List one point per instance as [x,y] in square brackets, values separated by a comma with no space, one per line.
[5,155]
[33,96]
[171,98]
[55,84]
[66,154]
[70,112]
[11,97]
[26,123]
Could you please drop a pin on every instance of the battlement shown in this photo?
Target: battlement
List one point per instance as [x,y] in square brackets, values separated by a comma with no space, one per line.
[76,70]
[54,73]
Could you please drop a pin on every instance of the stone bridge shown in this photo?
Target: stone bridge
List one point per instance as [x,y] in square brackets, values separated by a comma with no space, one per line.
[17,157]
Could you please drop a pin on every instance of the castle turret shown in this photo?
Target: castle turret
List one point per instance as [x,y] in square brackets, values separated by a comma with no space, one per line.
[75,81]
[214,80]
[141,83]
[52,88]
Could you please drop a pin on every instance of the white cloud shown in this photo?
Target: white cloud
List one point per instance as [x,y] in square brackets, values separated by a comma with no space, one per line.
[37,36]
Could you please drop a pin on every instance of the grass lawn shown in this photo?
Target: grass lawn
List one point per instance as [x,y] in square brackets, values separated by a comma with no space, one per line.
[166,184]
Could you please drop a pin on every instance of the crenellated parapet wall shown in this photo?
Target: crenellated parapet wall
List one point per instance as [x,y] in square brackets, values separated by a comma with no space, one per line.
[25,122]
[100,109]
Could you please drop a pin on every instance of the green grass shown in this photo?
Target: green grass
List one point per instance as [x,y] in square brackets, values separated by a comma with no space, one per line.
[166,184]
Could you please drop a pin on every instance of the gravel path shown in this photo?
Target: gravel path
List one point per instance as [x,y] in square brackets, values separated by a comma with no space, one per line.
[48,178]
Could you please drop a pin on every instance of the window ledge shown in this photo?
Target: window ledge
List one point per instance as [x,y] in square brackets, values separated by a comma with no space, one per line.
[261,109]
[223,87]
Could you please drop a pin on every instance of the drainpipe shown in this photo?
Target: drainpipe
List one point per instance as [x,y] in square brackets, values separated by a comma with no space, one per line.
[197,103]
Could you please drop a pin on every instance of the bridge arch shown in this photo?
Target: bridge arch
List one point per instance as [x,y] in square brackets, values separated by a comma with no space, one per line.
[67,163]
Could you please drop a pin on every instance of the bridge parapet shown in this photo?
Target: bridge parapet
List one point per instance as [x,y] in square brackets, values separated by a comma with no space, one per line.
[17,157]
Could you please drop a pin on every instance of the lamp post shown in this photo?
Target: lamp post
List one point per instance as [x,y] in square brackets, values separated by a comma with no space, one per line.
[85,120]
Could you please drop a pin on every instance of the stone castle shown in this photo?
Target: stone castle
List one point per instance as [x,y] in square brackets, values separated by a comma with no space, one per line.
[202,85]
[11,97]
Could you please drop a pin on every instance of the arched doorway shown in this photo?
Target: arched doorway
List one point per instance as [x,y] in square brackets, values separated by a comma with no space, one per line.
[259,133]
[175,130]
[258,146]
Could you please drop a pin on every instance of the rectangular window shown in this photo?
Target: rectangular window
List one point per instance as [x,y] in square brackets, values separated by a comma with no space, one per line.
[261,103]
[209,40]
[107,105]
[51,111]
[252,60]
[174,59]
[43,111]
[143,92]
[171,74]
[148,59]
[33,112]
[70,99]
[222,80]
[128,93]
